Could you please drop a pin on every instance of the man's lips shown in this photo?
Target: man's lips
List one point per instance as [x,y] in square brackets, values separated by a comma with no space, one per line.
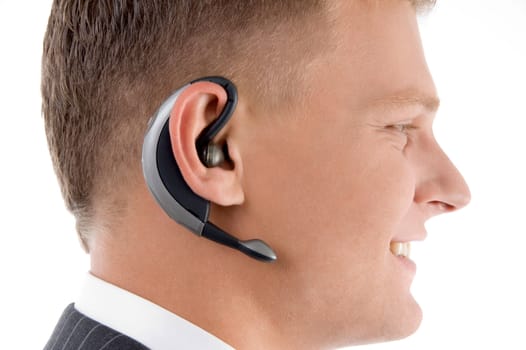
[401,252]
[401,244]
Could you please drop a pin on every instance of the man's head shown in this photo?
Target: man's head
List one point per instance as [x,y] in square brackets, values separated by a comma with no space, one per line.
[332,159]
[109,64]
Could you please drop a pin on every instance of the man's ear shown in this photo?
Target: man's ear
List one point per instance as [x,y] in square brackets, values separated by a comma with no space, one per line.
[196,107]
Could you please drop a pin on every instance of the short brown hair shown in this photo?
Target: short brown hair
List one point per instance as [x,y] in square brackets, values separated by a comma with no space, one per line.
[108,64]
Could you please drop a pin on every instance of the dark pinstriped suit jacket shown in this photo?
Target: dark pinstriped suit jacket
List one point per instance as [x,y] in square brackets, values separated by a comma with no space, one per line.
[75,331]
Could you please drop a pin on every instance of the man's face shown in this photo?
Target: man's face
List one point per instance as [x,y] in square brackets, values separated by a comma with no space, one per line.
[333,184]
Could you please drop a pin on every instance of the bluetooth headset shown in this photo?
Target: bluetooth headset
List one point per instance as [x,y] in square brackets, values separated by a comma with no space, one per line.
[167,185]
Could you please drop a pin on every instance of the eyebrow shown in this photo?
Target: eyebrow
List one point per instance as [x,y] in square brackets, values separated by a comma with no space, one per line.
[407,99]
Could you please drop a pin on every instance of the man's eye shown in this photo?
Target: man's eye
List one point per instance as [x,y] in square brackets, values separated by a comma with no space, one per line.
[403,128]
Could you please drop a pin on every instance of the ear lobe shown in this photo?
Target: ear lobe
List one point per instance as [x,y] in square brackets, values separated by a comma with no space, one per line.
[198,105]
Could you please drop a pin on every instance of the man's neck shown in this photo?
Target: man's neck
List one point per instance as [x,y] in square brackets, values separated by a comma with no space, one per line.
[216,289]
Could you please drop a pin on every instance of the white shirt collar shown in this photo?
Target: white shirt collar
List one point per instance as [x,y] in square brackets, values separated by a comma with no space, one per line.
[140,319]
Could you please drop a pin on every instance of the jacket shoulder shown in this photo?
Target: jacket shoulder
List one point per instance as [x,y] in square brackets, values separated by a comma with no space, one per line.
[75,331]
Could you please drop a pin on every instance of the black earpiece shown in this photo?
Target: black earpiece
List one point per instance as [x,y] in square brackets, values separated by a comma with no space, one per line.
[167,185]
[213,155]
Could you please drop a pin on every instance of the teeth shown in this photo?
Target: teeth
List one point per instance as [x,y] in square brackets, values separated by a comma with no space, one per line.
[401,249]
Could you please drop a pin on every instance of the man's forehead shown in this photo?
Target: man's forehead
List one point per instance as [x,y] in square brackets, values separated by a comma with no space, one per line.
[379,58]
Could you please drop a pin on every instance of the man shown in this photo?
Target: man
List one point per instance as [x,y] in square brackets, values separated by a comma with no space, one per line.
[329,158]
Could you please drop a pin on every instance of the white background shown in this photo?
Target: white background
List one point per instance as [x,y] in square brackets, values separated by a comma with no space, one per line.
[471,269]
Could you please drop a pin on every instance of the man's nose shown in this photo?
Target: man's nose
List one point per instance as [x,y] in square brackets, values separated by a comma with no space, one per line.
[441,186]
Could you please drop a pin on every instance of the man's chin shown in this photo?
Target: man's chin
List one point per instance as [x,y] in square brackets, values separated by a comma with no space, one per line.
[406,324]
[398,325]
